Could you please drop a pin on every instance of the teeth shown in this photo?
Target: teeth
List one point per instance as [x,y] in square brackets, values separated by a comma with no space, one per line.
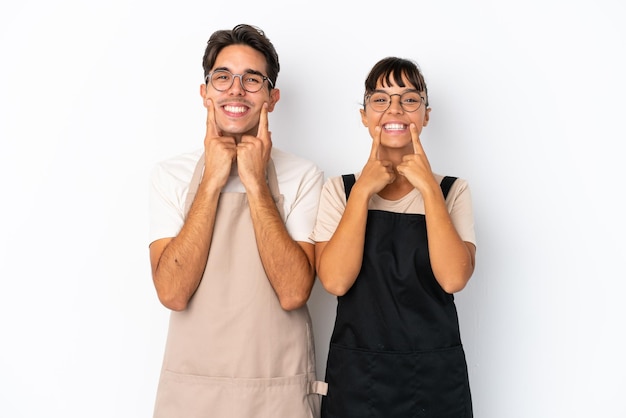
[394,126]
[235,109]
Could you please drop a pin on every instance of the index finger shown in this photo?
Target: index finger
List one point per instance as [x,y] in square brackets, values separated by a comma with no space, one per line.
[211,126]
[417,144]
[263,132]
[375,143]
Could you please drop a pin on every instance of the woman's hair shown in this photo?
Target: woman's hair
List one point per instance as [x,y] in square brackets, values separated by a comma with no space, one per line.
[242,35]
[390,71]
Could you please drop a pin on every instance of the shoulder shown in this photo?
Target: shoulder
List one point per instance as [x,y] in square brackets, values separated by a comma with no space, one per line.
[338,181]
[459,183]
[178,168]
[334,187]
[459,194]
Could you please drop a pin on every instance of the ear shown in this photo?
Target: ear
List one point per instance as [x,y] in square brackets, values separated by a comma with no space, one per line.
[426,117]
[363,117]
[274,98]
[203,93]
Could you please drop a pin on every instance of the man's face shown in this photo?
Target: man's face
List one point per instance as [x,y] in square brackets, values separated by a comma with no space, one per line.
[237,111]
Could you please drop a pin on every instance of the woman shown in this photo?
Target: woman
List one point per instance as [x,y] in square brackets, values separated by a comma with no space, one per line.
[396,349]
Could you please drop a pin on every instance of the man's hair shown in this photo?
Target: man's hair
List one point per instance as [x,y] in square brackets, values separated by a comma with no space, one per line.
[391,69]
[242,35]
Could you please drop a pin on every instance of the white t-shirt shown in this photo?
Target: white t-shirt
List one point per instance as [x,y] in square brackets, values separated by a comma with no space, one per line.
[333,204]
[299,180]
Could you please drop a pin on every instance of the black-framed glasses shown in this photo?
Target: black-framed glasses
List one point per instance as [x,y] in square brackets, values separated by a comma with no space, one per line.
[222,80]
[380,101]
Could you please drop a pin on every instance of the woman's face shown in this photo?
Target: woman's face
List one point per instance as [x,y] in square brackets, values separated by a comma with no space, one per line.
[394,121]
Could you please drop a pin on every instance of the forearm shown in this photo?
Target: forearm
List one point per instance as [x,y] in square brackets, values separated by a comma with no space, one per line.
[339,260]
[289,270]
[179,266]
[451,260]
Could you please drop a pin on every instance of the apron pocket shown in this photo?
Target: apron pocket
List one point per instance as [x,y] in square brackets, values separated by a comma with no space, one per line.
[364,383]
[191,396]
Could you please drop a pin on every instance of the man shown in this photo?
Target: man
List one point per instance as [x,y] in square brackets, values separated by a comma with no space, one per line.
[230,252]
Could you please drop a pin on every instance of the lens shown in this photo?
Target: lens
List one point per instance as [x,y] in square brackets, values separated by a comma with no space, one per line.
[252,82]
[222,80]
[380,101]
[410,101]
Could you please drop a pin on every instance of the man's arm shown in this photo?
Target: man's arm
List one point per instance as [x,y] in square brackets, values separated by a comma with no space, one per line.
[289,265]
[178,263]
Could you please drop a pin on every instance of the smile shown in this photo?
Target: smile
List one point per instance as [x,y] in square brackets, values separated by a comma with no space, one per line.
[235,109]
[395,126]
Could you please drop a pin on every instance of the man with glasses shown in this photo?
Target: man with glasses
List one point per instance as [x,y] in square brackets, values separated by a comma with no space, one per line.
[230,251]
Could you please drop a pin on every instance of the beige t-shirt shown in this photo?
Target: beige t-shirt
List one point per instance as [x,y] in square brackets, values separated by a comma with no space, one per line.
[300,182]
[333,203]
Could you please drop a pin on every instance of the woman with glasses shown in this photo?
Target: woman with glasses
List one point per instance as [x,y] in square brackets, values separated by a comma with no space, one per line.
[394,242]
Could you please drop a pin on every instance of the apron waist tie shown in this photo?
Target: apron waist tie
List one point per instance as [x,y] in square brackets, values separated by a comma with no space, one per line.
[319,387]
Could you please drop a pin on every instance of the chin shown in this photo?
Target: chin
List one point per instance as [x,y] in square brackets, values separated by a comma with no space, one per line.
[396,142]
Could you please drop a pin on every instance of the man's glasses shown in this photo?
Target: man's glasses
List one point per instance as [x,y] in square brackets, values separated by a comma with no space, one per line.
[381,101]
[222,80]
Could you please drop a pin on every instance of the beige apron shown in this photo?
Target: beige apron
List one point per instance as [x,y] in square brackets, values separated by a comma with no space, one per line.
[234,352]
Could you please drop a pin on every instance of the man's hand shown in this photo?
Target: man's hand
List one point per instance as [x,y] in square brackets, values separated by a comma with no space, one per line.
[253,153]
[219,151]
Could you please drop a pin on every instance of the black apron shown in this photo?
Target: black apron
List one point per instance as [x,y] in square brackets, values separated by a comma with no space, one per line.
[396,348]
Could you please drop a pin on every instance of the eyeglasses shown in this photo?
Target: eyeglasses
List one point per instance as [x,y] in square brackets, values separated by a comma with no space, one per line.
[381,101]
[222,80]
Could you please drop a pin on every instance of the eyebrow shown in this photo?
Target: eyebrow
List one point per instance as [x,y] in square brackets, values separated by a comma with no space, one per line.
[404,91]
[249,70]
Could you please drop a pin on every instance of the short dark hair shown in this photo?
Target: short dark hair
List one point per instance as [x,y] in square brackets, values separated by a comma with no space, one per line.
[242,35]
[394,67]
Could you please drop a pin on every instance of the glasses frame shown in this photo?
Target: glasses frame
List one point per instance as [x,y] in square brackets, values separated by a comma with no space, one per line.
[209,79]
[369,96]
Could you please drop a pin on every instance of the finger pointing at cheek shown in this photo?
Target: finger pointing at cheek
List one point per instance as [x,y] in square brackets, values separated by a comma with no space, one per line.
[375,143]
[211,126]
[417,145]
[263,123]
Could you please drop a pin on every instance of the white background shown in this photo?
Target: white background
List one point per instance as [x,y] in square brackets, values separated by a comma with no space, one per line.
[527,104]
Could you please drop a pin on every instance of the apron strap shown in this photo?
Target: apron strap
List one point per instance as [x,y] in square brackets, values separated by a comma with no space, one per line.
[349,179]
[348,182]
[194,183]
[446,184]
[272,181]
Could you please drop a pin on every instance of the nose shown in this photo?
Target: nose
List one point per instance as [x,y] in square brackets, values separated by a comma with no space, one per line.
[237,88]
[395,106]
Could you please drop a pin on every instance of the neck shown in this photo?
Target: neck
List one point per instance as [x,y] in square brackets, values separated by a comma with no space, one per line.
[399,188]
[394,155]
